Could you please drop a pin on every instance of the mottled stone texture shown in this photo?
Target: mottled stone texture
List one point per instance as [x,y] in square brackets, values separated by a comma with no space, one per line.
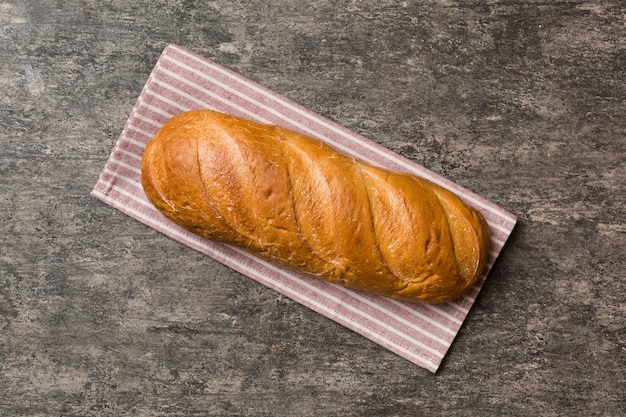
[523,102]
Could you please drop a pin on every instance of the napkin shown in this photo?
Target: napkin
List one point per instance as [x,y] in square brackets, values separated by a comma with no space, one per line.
[182,81]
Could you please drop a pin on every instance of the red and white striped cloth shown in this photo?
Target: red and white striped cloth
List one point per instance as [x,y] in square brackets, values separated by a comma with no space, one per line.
[181,81]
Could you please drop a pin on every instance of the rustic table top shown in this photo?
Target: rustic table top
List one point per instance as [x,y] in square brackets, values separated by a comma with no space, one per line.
[522,102]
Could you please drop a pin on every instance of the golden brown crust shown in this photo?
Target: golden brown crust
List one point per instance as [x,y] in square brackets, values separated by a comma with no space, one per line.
[297,202]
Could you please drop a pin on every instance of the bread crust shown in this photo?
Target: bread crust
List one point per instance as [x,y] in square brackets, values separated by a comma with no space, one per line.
[297,202]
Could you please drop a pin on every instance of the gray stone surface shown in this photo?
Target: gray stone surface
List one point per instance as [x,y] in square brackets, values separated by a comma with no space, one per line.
[523,102]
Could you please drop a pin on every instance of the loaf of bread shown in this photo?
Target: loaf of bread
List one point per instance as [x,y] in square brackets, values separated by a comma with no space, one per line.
[299,203]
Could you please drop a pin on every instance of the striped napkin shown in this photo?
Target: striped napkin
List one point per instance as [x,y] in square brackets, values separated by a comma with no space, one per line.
[182,81]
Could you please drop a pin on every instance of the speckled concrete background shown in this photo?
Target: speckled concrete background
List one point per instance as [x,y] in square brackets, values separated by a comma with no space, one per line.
[523,102]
